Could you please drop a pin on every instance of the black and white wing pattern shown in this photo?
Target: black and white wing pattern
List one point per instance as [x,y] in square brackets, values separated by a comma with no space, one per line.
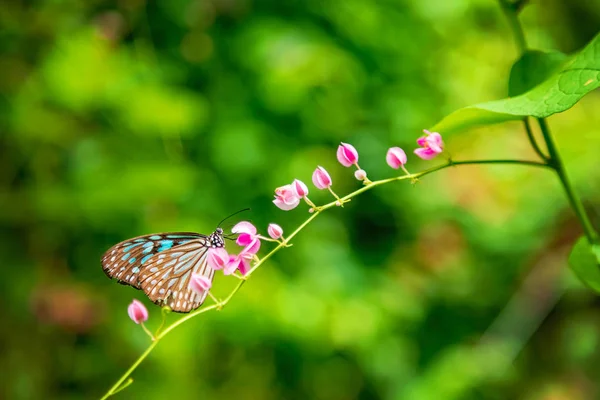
[124,261]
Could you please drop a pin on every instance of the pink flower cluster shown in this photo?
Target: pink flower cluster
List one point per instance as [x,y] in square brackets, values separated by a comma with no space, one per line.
[288,197]
[219,259]
[249,239]
[431,145]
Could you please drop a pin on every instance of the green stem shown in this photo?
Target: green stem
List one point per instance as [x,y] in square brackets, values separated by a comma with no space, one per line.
[117,386]
[160,335]
[532,140]
[431,170]
[187,317]
[123,386]
[557,164]
[284,244]
[554,159]
[518,5]
[511,13]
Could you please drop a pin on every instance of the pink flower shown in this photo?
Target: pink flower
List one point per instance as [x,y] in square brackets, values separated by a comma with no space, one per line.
[360,174]
[199,283]
[217,257]
[275,231]
[244,228]
[299,188]
[137,312]
[231,265]
[253,246]
[241,262]
[286,198]
[247,237]
[431,145]
[347,154]
[321,178]
[395,157]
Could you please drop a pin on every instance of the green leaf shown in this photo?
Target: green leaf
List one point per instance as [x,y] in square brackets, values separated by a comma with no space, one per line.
[533,68]
[584,260]
[577,76]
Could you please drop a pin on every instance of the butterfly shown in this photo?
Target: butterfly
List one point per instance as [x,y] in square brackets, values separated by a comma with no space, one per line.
[161,265]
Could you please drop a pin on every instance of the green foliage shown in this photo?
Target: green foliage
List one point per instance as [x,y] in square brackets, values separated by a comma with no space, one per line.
[558,92]
[532,69]
[125,118]
[584,260]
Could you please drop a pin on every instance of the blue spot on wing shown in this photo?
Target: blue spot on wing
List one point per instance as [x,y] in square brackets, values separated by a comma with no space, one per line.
[126,256]
[146,258]
[148,249]
[128,248]
[132,260]
[165,245]
[155,237]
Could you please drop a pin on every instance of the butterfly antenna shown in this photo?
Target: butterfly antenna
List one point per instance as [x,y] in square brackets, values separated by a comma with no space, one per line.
[235,213]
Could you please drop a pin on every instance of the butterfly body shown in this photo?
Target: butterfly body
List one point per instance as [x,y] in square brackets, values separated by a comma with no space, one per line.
[161,265]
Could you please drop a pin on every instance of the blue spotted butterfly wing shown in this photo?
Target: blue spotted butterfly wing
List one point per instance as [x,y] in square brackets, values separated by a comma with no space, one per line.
[162,264]
[125,260]
[166,275]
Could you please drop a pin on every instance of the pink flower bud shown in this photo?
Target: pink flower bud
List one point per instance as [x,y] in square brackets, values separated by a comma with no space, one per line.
[199,283]
[347,154]
[244,227]
[321,178]
[286,198]
[395,157]
[431,145]
[360,174]
[217,257]
[275,231]
[137,312]
[300,188]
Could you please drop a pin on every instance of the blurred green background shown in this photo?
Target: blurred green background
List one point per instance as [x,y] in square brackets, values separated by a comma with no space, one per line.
[124,118]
